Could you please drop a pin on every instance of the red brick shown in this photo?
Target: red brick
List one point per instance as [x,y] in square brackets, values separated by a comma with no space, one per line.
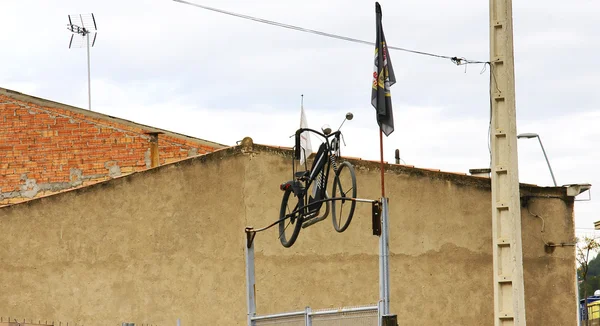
[63,132]
[20,147]
[71,126]
[47,142]
[116,135]
[26,117]
[29,165]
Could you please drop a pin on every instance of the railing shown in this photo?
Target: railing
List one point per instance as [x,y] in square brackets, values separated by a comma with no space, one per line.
[347,316]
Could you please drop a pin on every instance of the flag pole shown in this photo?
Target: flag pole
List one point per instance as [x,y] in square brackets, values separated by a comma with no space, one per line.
[384,250]
[383,78]
[382,164]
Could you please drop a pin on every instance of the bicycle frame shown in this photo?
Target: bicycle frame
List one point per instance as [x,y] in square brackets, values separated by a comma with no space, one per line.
[327,150]
[307,197]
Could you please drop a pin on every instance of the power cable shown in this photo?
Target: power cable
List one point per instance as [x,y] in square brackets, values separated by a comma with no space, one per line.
[456,60]
[459,61]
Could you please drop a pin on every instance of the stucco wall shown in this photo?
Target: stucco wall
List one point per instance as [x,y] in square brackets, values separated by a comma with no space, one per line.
[168,243]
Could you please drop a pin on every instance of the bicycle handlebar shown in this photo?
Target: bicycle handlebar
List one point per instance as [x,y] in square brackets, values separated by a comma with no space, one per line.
[301,130]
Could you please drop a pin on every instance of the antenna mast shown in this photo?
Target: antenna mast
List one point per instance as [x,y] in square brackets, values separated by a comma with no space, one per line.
[88,26]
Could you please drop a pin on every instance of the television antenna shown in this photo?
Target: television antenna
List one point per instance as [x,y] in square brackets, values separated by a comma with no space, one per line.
[83,25]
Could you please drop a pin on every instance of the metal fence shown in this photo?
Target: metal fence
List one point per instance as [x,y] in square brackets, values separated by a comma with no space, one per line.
[22,323]
[347,316]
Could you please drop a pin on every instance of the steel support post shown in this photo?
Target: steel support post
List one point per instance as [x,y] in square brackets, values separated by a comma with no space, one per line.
[307,316]
[384,267]
[250,282]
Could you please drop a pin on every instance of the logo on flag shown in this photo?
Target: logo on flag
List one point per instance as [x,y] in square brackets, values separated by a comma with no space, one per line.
[383,79]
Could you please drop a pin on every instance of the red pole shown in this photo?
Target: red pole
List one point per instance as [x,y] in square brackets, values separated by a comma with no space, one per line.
[382,166]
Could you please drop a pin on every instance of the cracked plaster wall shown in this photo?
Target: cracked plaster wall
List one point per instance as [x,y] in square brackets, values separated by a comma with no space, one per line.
[169,243]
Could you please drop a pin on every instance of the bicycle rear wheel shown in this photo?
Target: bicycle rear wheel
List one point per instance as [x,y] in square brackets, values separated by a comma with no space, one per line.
[289,228]
[344,186]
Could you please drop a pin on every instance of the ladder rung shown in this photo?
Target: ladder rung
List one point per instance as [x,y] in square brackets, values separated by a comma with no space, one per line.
[500,169]
[501,206]
[505,279]
[505,316]
[503,242]
[500,133]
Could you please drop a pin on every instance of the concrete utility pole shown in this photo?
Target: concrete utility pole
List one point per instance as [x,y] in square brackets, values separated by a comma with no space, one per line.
[509,294]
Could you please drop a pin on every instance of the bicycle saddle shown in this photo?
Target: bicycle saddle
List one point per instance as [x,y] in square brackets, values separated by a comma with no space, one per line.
[301,174]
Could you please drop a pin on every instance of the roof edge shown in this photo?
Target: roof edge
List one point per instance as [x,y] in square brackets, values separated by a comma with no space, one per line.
[246,147]
[215,155]
[455,177]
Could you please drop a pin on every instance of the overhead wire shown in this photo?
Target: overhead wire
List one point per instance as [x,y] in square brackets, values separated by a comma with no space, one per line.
[459,61]
[454,59]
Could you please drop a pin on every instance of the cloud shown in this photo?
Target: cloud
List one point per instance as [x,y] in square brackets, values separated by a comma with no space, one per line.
[221,78]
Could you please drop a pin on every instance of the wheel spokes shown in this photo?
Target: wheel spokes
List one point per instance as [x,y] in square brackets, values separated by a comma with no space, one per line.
[291,219]
[341,188]
[288,214]
[341,212]
[285,228]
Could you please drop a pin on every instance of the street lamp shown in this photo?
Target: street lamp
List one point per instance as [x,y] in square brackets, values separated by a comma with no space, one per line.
[532,135]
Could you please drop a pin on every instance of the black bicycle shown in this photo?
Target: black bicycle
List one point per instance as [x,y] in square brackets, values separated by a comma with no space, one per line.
[305,195]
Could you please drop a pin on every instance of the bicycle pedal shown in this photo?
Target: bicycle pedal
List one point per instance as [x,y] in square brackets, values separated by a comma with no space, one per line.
[312,220]
[310,216]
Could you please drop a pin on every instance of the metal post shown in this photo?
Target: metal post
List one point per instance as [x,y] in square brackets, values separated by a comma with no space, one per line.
[250,282]
[87,35]
[547,162]
[178,322]
[380,312]
[307,316]
[507,251]
[384,268]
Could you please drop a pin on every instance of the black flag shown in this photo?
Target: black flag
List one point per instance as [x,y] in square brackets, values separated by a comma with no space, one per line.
[383,78]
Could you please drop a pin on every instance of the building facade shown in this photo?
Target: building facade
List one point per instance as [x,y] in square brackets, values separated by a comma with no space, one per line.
[47,147]
[168,243]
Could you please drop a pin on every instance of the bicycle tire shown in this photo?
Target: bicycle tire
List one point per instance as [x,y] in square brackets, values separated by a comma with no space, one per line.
[337,205]
[295,221]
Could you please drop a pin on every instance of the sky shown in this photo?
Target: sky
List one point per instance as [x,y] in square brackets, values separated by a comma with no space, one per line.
[222,78]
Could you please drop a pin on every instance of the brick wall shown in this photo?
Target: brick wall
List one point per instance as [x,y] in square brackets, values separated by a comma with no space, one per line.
[50,148]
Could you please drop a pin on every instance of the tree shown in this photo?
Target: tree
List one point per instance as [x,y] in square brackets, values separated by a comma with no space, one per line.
[585,247]
[593,276]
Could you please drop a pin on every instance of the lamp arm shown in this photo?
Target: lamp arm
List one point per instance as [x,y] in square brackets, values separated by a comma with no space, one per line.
[547,161]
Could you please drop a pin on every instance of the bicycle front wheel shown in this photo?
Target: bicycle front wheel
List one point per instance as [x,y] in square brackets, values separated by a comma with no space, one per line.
[344,186]
[289,228]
